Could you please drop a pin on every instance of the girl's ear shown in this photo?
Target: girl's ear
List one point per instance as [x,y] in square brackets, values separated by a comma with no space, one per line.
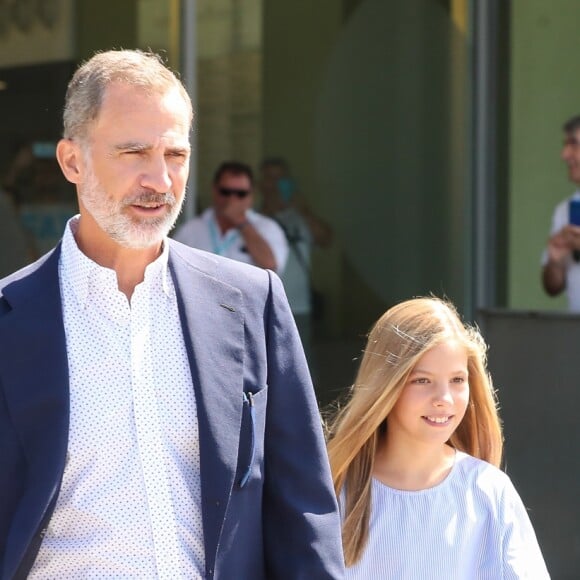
[70,159]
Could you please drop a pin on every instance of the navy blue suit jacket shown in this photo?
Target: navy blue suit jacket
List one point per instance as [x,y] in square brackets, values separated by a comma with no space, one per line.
[241,338]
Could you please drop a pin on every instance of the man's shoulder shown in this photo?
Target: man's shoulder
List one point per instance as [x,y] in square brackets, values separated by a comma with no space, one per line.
[28,270]
[259,218]
[200,218]
[190,227]
[563,203]
[219,267]
[26,284]
[266,224]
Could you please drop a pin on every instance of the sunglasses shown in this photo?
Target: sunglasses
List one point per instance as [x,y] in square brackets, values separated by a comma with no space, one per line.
[571,141]
[227,192]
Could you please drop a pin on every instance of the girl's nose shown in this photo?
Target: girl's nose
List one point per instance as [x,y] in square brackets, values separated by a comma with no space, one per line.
[442,395]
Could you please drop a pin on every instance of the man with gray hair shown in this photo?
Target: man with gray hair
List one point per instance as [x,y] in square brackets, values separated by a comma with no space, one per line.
[157,419]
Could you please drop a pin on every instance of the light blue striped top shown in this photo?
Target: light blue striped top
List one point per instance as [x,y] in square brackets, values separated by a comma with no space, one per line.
[472,526]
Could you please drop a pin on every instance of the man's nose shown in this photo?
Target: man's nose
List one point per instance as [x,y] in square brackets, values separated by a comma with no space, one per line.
[156,175]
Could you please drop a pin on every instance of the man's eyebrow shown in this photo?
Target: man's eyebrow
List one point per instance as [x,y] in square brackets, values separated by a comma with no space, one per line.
[133,146]
[137,146]
[179,148]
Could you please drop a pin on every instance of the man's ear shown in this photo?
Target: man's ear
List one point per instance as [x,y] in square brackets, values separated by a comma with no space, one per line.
[70,159]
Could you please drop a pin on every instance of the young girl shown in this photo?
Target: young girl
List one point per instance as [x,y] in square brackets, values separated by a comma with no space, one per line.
[415,456]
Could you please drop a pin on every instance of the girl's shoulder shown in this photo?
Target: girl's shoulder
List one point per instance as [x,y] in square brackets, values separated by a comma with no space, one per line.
[475,467]
[481,475]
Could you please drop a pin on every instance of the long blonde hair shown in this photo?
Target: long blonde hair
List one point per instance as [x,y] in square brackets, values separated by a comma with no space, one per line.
[395,344]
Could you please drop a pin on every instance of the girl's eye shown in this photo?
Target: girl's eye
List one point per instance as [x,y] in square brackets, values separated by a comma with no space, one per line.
[458,380]
[420,381]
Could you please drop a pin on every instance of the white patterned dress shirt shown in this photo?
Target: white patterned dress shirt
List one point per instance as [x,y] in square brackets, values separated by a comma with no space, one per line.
[130,501]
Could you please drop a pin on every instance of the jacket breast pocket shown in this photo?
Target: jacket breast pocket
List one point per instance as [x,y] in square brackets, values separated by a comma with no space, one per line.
[251,450]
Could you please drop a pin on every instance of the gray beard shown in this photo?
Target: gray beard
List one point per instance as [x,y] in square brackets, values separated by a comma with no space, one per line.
[115,221]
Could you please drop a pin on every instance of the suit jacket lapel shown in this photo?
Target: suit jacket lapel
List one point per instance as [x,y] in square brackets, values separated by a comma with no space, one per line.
[34,373]
[213,325]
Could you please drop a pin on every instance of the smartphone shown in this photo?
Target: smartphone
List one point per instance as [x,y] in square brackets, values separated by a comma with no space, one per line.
[574,219]
[286,187]
[44,149]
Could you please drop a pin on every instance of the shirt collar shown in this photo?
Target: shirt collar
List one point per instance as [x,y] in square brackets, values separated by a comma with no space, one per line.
[85,276]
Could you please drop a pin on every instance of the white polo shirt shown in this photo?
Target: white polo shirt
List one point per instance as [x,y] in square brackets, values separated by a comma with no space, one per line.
[203,232]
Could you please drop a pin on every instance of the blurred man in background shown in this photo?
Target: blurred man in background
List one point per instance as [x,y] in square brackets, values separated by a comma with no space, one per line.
[282,200]
[231,228]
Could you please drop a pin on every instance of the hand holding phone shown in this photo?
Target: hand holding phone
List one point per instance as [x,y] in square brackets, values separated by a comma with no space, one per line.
[574,219]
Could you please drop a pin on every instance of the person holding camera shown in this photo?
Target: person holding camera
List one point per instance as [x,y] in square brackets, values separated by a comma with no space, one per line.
[282,200]
[231,228]
[561,258]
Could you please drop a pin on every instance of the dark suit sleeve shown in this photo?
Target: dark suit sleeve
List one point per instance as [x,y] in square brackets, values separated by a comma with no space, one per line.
[12,470]
[300,514]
